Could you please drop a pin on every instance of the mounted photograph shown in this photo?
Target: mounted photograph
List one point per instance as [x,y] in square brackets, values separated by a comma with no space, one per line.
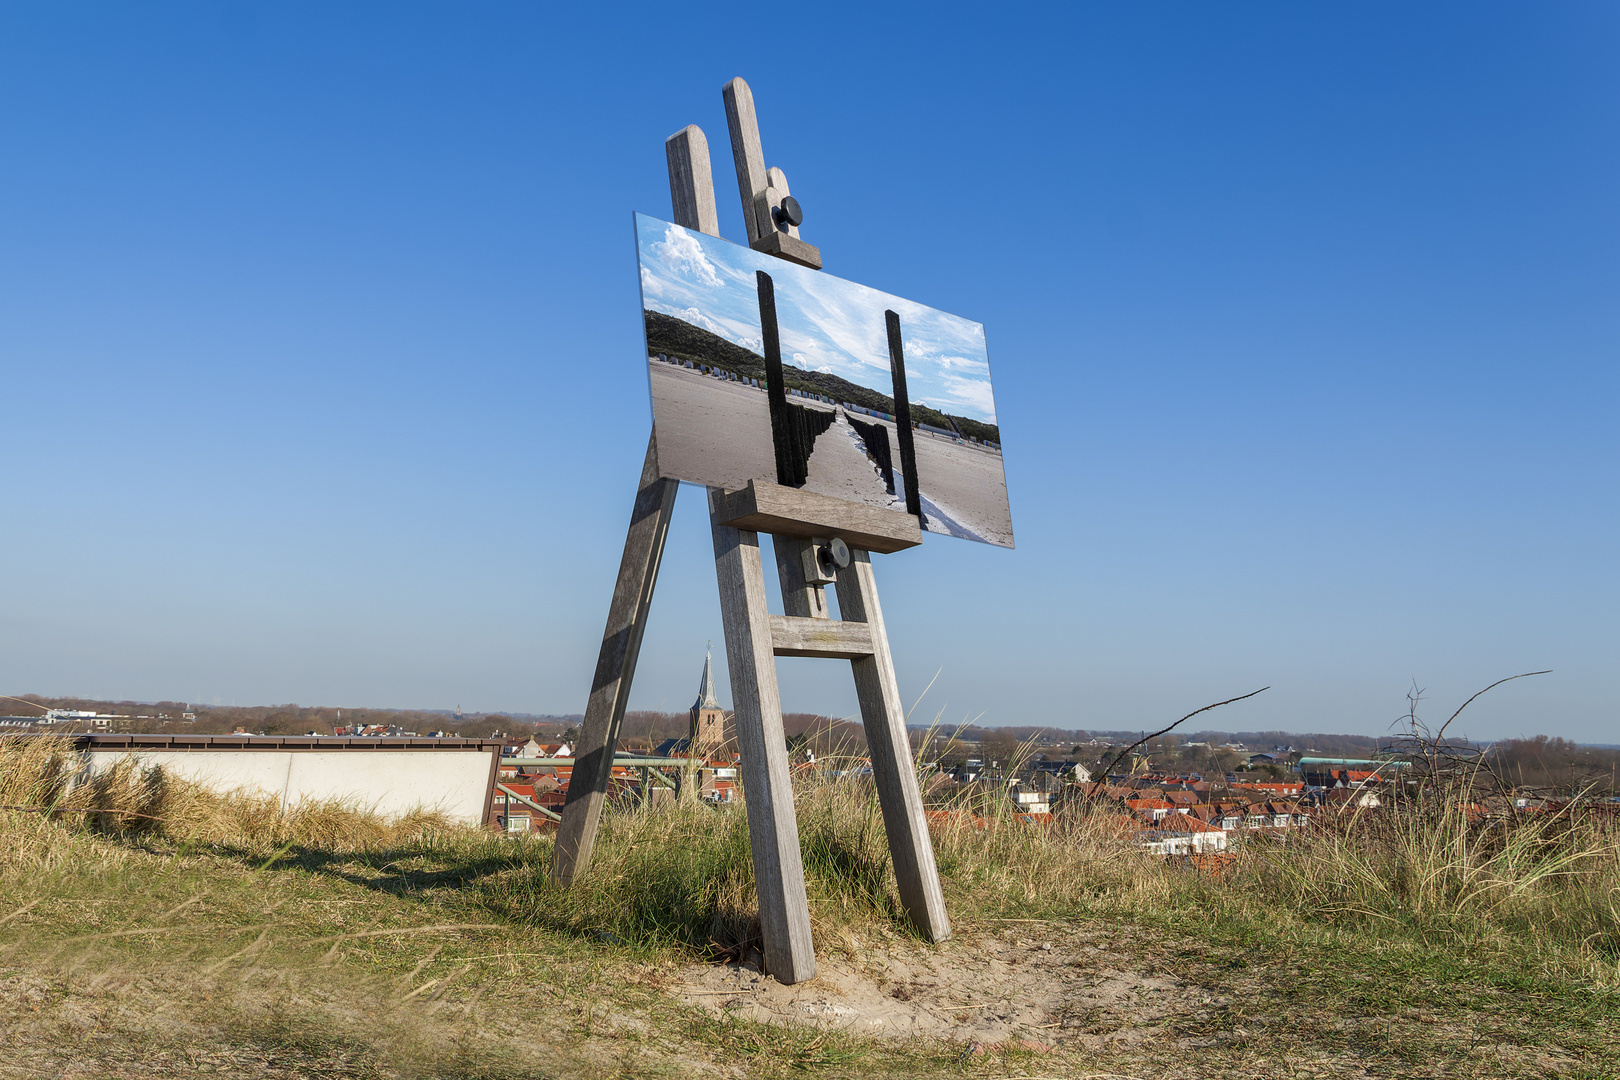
[767,371]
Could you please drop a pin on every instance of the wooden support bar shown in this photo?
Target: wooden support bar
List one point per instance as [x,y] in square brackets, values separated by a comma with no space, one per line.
[615,668]
[791,248]
[799,596]
[691,194]
[893,768]
[773,832]
[772,508]
[830,638]
[526,801]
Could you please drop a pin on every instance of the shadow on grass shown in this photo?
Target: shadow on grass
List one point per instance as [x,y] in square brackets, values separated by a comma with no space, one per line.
[387,870]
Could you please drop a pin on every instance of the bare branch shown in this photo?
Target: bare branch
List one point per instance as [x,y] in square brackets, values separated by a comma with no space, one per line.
[1441,733]
[1148,738]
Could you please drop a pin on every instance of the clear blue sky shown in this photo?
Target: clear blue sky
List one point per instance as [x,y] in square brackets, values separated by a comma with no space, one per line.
[320,358]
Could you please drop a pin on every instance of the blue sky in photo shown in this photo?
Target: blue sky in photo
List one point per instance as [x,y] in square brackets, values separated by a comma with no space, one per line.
[824,323]
[321,367]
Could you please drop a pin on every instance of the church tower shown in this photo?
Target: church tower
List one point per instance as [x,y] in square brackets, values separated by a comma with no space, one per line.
[707,731]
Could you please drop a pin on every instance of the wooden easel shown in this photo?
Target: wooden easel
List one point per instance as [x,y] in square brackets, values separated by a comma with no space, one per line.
[802,525]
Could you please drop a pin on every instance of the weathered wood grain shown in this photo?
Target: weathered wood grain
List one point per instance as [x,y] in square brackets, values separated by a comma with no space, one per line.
[800,597]
[615,669]
[776,189]
[790,248]
[893,769]
[691,183]
[830,638]
[746,154]
[773,832]
[782,511]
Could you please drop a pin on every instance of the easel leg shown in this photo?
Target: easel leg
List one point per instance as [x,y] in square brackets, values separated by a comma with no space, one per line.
[773,829]
[615,668]
[892,767]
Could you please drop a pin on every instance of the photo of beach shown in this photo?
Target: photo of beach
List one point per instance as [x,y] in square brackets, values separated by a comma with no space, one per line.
[877,399]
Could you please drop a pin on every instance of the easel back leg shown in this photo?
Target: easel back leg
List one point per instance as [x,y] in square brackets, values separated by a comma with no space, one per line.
[615,669]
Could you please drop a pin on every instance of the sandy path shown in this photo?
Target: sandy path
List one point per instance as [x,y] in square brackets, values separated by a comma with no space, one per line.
[838,467]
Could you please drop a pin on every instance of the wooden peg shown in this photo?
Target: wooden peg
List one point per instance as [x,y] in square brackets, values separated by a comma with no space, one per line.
[776,189]
[762,189]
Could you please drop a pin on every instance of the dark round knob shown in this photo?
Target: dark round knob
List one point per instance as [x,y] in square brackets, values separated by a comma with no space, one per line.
[839,553]
[788,213]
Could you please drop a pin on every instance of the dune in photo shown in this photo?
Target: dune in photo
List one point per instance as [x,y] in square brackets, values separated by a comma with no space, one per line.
[854,365]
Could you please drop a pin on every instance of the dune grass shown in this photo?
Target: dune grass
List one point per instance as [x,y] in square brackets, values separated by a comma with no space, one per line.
[324,904]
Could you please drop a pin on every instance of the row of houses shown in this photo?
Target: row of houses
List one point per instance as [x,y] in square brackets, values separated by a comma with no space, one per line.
[532,779]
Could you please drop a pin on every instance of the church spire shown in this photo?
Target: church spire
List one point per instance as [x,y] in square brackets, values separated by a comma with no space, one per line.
[705,698]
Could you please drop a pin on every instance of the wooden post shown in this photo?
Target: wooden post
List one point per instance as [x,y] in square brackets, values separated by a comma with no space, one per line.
[902,416]
[893,769]
[773,831]
[615,668]
[775,387]
[761,189]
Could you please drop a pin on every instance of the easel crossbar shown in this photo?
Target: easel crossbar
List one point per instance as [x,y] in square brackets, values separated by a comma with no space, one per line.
[797,636]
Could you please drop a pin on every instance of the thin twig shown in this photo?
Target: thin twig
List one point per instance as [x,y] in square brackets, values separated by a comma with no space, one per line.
[1148,738]
[1525,675]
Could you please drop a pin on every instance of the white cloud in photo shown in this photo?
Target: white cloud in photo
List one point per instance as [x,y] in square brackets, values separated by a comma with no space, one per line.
[681,252]
[826,324]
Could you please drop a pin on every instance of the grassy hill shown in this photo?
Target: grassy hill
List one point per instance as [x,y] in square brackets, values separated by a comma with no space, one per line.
[677,337]
[222,935]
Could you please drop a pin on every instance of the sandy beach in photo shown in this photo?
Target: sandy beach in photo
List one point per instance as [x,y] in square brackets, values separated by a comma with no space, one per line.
[710,431]
[850,358]
[717,432]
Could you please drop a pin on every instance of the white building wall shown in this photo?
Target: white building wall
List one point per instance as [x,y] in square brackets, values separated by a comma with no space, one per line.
[388,782]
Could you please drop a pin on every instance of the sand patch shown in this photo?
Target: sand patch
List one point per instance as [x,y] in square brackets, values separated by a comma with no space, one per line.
[990,989]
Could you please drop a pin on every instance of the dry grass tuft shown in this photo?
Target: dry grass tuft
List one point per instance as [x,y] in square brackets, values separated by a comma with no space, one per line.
[46,776]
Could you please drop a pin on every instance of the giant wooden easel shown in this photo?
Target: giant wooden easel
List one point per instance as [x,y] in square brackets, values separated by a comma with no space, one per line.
[803,526]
